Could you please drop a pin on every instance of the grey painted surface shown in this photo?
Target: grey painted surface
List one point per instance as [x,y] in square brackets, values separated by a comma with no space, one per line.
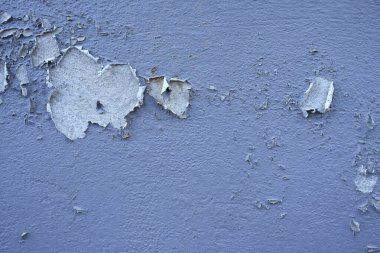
[184,185]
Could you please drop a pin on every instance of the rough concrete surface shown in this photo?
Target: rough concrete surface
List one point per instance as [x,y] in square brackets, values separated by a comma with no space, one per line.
[245,172]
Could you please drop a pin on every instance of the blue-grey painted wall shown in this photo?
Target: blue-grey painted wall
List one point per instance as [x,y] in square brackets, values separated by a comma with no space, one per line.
[184,185]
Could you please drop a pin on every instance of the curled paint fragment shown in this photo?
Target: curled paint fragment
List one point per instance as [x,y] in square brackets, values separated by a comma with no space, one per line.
[46,48]
[318,97]
[3,76]
[173,95]
[82,87]
[365,181]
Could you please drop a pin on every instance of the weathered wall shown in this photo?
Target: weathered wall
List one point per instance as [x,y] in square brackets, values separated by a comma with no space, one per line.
[185,185]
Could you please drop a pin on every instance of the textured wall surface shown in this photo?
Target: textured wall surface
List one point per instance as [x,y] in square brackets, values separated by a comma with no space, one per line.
[186,185]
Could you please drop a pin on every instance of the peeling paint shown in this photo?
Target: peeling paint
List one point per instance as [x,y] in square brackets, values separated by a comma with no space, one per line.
[3,76]
[274,201]
[81,85]
[365,181]
[370,122]
[78,209]
[375,201]
[355,226]
[46,48]
[23,51]
[372,248]
[22,75]
[24,235]
[7,32]
[318,97]
[173,95]
[4,17]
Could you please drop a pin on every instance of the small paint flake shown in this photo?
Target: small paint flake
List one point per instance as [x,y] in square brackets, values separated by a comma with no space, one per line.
[172,95]
[355,226]
[372,248]
[363,208]
[81,38]
[24,235]
[24,91]
[212,88]
[78,209]
[27,32]
[3,76]
[22,75]
[46,48]
[375,201]
[23,51]
[4,17]
[370,122]
[318,97]
[273,201]
[6,33]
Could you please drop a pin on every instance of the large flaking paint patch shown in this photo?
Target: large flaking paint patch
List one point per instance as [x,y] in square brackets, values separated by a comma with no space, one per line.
[85,91]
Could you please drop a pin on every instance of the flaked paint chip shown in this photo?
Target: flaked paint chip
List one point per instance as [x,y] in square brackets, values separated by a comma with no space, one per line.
[46,48]
[81,85]
[318,97]
[4,17]
[274,201]
[375,201]
[372,248]
[370,122]
[78,209]
[172,95]
[7,32]
[24,235]
[23,51]
[22,74]
[3,76]
[365,181]
[355,226]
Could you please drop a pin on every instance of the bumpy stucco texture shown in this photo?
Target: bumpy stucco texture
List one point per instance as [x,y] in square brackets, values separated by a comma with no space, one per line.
[201,184]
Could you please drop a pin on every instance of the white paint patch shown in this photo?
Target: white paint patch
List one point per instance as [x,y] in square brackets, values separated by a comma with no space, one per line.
[173,95]
[22,75]
[365,181]
[46,48]
[86,92]
[3,76]
[318,97]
